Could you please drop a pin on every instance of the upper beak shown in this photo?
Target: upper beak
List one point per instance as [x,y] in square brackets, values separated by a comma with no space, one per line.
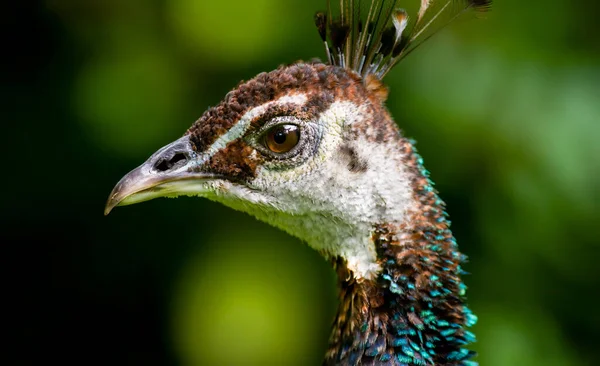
[132,184]
[161,175]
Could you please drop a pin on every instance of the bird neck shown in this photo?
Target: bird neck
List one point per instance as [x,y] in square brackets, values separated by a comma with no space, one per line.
[412,312]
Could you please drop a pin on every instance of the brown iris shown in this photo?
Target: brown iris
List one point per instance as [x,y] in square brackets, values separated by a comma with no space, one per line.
[281,139]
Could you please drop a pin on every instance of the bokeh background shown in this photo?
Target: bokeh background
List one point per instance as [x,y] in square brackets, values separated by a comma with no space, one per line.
[506,111]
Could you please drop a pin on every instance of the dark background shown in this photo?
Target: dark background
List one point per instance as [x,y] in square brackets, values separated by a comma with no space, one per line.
[506,111]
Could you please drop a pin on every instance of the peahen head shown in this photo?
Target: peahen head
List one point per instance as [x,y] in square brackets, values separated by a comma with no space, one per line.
[310,148]
[307,148]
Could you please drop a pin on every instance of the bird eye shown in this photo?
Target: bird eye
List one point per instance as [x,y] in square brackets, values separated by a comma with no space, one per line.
[283,138]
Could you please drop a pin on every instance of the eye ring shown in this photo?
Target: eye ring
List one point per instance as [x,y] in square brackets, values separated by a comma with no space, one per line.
[282,138]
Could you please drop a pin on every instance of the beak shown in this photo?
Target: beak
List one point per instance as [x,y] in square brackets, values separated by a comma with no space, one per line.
[171,171]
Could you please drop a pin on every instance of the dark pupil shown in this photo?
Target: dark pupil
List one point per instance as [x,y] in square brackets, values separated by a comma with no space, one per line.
[280,136]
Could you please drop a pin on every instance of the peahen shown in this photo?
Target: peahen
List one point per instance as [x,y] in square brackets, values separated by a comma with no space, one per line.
[310,148]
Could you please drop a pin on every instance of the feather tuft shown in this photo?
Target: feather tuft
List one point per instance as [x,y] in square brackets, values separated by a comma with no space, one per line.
[321,23]
[374,43]
[387,41]
[339,33]
[400,21]
[423,9]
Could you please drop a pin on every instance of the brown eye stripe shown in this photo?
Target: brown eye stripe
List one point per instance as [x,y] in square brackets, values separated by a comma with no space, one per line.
[234,162]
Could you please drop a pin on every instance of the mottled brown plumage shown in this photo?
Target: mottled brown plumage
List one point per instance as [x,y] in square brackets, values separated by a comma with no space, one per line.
[311,78]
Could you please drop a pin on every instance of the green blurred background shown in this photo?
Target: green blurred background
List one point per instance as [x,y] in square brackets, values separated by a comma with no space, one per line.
[506,111]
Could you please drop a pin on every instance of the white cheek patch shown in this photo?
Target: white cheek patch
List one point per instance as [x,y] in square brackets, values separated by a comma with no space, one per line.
[239,129]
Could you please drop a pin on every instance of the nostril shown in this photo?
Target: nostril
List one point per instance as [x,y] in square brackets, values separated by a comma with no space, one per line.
[178,157]
[167,164]
[162,165]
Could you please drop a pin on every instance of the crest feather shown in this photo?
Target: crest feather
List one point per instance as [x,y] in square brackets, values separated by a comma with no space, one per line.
[370,37]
